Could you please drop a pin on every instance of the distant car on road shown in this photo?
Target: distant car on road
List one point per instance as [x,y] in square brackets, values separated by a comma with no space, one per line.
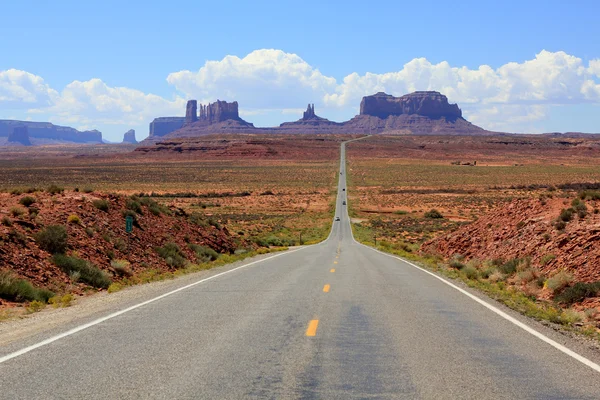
[343,203]
[344,189]
[337,218]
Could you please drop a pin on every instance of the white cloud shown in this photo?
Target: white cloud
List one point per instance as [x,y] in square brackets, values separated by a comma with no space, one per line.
[271,84]
[263,79]
[21,89]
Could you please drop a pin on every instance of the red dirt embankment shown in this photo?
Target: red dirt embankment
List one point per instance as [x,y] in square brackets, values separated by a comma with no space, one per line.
[527,228]
[98,237]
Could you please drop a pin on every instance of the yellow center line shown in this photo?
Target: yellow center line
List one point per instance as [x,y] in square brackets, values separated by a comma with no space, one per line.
[332,270]
[326,288]
[312,327]
[335,262]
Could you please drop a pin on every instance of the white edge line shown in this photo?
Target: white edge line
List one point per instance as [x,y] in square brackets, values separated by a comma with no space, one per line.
[487,305]
[116,314]
[501,313]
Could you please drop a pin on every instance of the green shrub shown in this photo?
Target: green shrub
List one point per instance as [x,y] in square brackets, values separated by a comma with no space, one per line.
[589,195]
[433,214]
[54,189]
[6,221]
[19,290]
[470,272]
[560,225]
[17,211]
[27,201]
[102,205]
[456,264]
[566,215]
[509,267]
[203,253]
[89,273]
[578,292]
[172,254]
[134,206]
[17,192]
[559,281]
[89,231]
[87,189]
[35,306]
[53,239]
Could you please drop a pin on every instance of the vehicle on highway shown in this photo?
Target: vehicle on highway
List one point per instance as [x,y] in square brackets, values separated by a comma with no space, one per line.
[337,218]
[344,189]
[343,203]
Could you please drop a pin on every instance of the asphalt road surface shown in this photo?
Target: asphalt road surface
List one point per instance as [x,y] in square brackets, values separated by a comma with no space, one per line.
[335,320]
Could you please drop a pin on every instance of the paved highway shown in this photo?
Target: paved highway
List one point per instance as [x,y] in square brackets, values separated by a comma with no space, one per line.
[335,320]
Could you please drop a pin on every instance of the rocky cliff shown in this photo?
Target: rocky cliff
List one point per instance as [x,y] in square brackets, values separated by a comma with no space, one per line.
[45,132]
[164,125]
[129,137]
[311,122]
[19,134]
[428,104]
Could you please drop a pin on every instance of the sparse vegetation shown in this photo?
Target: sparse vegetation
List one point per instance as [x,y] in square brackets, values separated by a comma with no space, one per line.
[20,290]
[55,189]
[27,201]
[433,214]
[203,253]
[121,267]
[73,219]
[17,211]
[578,292]
[53,239]
[6,221]
[102,205]
[559,281]
[172,255]
[89,273]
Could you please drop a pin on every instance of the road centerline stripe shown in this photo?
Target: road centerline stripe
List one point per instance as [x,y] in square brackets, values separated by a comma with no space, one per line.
[312,327]
[326,288]
[332,270]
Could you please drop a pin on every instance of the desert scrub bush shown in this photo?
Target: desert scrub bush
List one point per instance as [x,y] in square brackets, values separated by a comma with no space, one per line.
[546,258]
[579,207]
[89,273]
[509,267]
[120,244]
[17,211]
[470,272]
[172,254]
[560,225]
[527,275]
[53,239]
[589,195]
[89,232]
[121,267]
[566,214]
[35,306]
[55,189]
[61,301]
[17,192]
[102,205]
[578,292]
[73,219]
[559,281]
[87,189]
[433,214]
[6,221]
[203,253]
[134,206]
[27,201]
[19,290]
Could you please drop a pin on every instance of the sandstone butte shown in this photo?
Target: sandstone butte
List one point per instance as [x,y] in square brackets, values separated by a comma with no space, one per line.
[415,113]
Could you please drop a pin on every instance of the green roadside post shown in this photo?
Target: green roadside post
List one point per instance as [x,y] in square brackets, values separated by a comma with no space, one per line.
[129,224]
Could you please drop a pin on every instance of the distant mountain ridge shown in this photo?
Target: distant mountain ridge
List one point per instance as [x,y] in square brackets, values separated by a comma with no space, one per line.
[46,132]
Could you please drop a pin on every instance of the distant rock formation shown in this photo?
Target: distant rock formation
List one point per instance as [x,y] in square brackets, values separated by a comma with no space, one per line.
[428,104]
[19,134]
[310,121]
[162,126]
[129,137]
[309,113]
[418,113]
[45,132]
[191,112]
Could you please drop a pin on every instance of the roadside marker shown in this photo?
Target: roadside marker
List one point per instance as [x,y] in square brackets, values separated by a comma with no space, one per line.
[312,327]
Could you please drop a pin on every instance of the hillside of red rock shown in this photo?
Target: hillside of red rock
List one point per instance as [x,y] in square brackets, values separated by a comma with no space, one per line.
[529,228]
[98,236]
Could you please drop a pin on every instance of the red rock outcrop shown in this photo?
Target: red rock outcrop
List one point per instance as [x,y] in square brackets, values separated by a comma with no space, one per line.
[45,132]
[191,112]
[428,104]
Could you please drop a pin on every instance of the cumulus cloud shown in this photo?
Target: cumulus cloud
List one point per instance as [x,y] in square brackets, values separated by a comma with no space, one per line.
[271,84]
[21,89]
[264,79]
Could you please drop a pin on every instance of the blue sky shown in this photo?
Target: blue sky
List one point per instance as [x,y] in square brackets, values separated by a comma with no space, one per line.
[116,65]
